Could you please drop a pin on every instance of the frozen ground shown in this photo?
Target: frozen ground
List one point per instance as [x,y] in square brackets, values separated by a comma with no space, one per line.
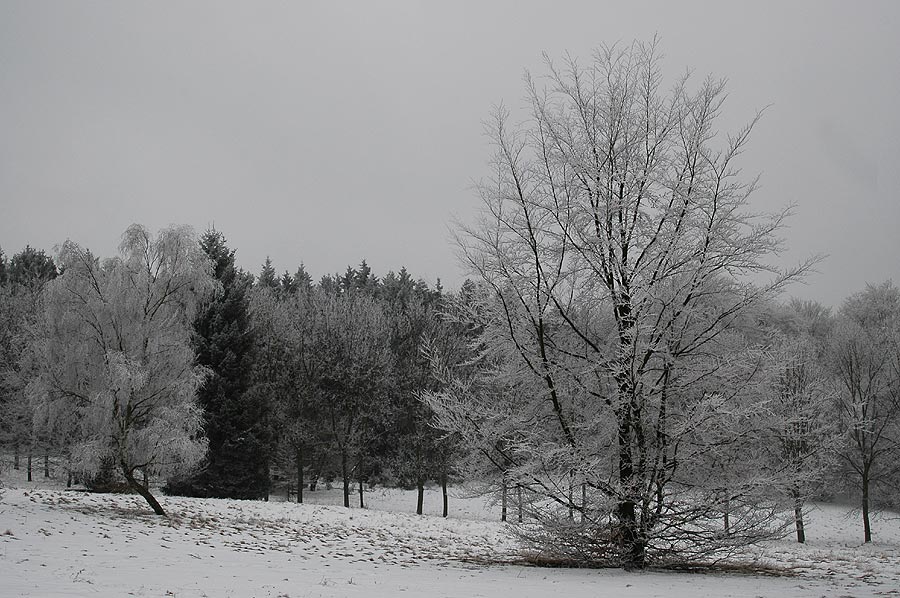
[59,543]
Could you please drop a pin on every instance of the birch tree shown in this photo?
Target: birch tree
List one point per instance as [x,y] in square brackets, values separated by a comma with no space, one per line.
[114,364]
[622,257]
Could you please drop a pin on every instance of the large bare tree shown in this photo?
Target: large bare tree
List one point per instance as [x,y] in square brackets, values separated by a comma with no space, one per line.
[621,259]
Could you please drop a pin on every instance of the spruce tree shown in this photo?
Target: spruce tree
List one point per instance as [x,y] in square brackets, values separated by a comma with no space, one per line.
[267,276]
[303,279]
[237,465]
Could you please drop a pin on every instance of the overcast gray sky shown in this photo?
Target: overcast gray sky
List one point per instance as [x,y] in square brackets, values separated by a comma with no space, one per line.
[335,131]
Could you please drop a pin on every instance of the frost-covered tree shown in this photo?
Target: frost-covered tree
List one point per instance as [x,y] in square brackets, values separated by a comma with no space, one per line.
[114,367]
[285,370]
[324,357]
[620,251]
[803,430]
[353,362]
[415,450]
[864,354]
[20,300]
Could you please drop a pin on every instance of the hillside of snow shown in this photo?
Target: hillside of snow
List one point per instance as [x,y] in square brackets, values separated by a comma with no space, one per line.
[55,542]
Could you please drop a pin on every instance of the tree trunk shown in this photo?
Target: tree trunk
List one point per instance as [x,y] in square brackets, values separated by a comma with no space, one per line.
[571,496]
[362,505]
[444,491]
[420,495]
[146,478]
[583,501]
[68,478]
[29,466]
[46,465]
[867,526]
[726,512]
[143,491]
[632,547]
[798,516]
[503,500]
[346,478]
[519,500]
[299,459]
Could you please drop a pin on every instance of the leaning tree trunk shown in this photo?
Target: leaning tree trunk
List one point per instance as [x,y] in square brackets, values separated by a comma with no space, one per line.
[143,491]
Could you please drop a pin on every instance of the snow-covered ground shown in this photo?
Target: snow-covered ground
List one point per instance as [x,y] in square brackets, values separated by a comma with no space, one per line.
[61,543]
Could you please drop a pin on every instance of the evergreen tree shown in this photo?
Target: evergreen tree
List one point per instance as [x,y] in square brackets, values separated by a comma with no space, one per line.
[2,267]
[364,280]
[267,276]
[330,284]
[31,266]
[237,465]
[303,279]
[347,282]
[287,283]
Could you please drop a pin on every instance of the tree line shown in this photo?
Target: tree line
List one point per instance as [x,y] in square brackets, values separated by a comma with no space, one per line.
[168,362]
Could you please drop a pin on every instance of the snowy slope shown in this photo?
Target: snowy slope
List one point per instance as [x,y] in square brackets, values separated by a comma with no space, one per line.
[58,543]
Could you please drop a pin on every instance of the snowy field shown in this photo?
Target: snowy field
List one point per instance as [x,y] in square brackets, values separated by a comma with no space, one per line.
[55,542]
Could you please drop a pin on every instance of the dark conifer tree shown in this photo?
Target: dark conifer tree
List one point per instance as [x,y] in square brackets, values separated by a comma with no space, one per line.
[330,284]
[237,465]
[31,266]
[303,279]
[347,282]
[267,276]
[364,280]
[288,284]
